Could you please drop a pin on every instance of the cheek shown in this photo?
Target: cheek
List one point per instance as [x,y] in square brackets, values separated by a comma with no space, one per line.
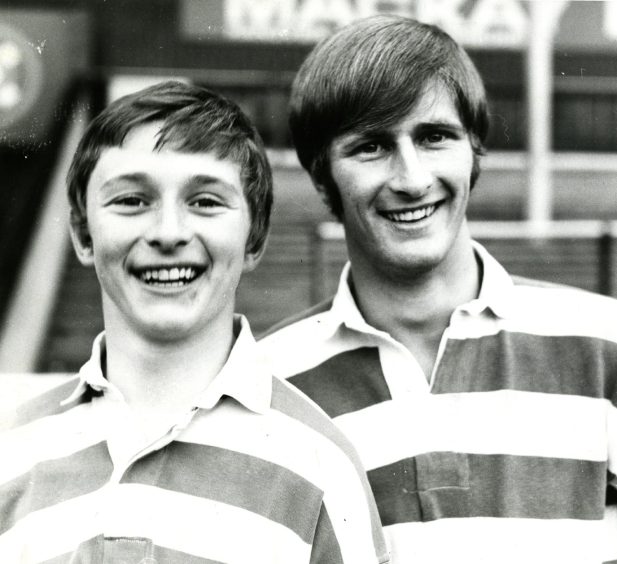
[350,200]
[459,171]
[112,244]
[107,258]
[357,185]
[228,239]
[345,175]
[466,160]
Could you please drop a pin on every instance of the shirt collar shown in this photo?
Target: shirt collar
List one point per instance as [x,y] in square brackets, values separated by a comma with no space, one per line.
[245,375]
[495,294]
[496,289]
[91,373]
[345,310]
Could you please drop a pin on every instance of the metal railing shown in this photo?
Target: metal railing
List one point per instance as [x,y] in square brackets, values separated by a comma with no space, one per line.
[577,253]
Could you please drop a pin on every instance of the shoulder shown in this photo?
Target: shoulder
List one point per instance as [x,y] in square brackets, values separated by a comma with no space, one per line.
[299,342]
[49,403]
[546,308]
[291,402]
[321,431]
[559,299]
[296,321]
[528,295]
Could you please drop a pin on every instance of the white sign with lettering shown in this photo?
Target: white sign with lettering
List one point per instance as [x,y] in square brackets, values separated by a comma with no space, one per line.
[487,23]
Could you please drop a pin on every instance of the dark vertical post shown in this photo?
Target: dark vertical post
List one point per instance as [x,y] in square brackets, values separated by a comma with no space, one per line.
[318,266]
[605,261]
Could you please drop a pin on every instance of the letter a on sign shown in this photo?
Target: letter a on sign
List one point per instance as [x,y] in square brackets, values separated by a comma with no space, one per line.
[498,23]
[317,18]
[258,19]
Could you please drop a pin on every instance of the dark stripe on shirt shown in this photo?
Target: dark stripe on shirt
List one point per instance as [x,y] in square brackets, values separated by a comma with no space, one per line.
[129,549]
[54,481]
[571,365]
[611,492]
[346,382]
[91,550]
[440,485]
[234,478]
[325,549]
[170,556]
[48,403]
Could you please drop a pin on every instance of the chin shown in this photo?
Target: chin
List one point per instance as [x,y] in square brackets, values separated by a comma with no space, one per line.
[409,270]
[414,262]
[166,331]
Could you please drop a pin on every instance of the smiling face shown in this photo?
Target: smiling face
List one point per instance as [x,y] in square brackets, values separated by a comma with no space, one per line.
[404,190]
[166,232]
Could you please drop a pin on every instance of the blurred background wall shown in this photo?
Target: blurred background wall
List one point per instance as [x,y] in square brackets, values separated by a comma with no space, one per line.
[62,60]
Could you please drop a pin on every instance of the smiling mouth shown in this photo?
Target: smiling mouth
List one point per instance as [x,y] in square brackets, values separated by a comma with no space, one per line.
[411,215]
[169,277]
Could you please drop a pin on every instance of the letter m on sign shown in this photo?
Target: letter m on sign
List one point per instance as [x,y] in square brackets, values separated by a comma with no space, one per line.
[258,19]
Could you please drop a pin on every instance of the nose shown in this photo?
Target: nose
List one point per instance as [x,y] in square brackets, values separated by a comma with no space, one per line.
[168,228]
[410,171]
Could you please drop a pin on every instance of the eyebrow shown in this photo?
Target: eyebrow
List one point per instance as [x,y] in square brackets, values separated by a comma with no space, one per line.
[381,131]
[449,124]
[206,179]
[145,179]
[135,177]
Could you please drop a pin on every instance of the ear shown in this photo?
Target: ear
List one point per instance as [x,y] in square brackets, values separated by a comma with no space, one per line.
[252,259]
[82,242]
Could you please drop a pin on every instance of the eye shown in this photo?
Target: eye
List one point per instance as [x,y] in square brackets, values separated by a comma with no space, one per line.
[435,137]
[369,149]
[131,201]
[205,202]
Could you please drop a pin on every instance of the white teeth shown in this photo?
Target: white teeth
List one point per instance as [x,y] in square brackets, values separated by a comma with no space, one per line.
[172,277]
[412,215]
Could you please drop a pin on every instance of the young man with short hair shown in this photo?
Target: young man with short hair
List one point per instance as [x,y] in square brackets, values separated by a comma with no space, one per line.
[175,444]
[482,405]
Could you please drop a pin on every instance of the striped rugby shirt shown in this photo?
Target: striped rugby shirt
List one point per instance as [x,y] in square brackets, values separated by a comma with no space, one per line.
[506,455]
[254,473]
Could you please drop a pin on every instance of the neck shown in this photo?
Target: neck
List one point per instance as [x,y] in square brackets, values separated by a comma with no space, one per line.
[164,377]
[419,305]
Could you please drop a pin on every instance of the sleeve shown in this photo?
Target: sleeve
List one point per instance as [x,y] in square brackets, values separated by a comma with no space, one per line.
[326,549]
[348,529]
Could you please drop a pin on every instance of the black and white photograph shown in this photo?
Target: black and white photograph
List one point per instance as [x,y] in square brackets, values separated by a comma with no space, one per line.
[308,281]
